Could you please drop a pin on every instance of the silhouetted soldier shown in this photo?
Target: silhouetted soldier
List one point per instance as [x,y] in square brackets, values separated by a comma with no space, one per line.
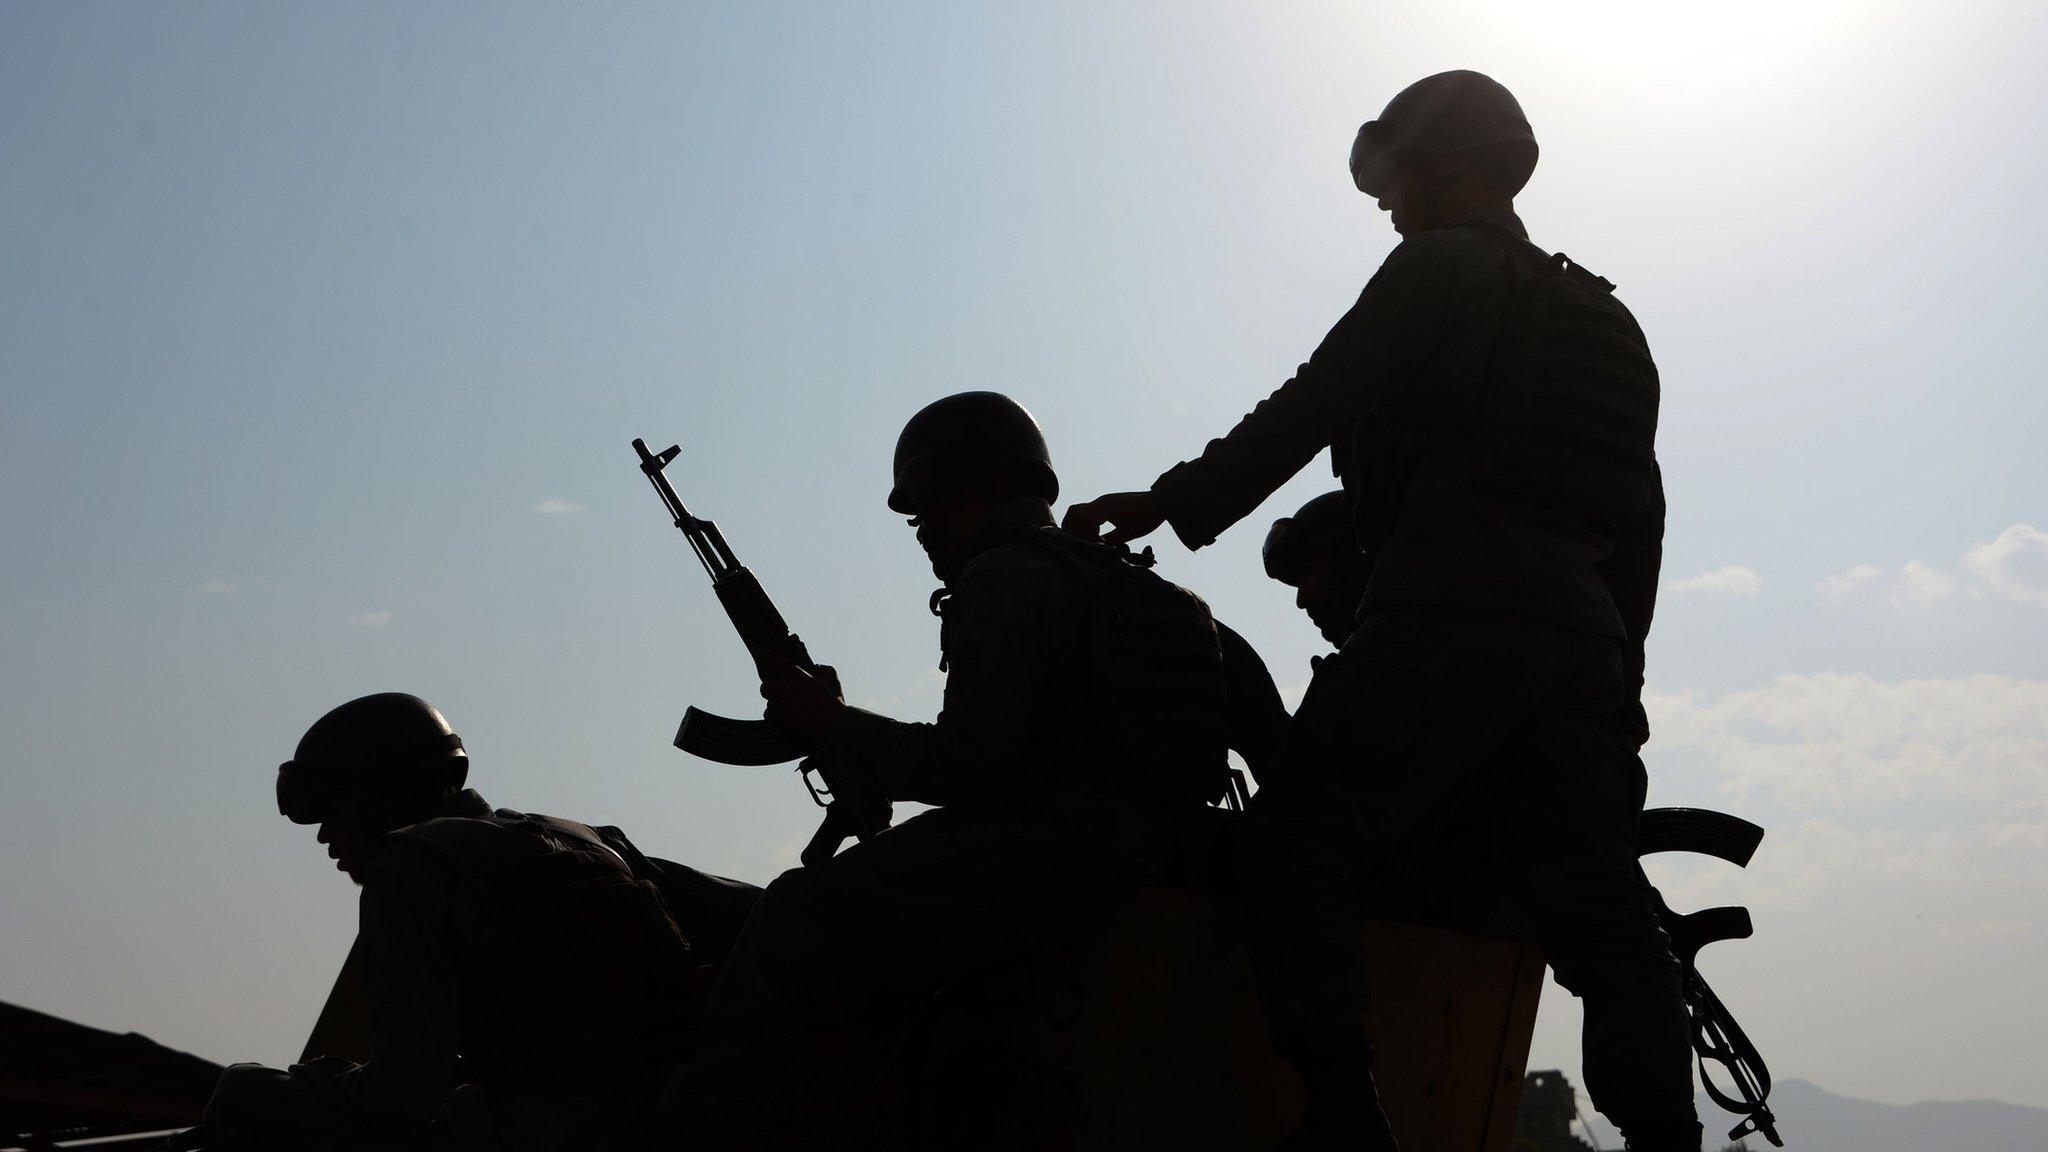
[1086,716]
[1491,410]
[526,988]
[1316,553]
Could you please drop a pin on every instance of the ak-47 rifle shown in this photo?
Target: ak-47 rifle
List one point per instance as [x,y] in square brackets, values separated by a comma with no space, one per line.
[1716,1036]
[853,807]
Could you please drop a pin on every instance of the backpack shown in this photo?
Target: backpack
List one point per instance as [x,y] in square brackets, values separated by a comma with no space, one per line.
[1157,674]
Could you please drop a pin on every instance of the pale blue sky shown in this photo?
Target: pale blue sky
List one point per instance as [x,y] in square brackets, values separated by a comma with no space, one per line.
[306,310]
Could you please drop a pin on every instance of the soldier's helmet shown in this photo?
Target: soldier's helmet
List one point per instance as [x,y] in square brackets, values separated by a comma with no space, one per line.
[968,436]
[367,745]
[1321,527]
[1443,114]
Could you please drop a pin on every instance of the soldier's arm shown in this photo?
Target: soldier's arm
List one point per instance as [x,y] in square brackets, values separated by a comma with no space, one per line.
[1369,355]
[1258,718]
[1000,629]
[407,931]
[1630,573]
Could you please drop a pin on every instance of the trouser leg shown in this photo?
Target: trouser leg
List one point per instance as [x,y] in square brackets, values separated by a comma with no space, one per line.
[1393,729]
[259,1109]
[1390,730]
[1578,795]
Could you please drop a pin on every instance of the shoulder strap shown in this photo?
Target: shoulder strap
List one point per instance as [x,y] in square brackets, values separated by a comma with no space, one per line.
[1525,272]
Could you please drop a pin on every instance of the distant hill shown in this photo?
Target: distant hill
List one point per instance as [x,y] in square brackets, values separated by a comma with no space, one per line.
[1814,1120]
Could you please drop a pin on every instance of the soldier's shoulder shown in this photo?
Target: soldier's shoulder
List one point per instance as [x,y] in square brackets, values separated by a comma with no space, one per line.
[448,842]
[1464,245]
[1024,559]
[1021,580]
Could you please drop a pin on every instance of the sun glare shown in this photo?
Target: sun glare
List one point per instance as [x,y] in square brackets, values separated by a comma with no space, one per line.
[1720,47]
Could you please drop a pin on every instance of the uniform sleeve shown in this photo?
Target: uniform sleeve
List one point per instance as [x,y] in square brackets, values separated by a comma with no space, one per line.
[408,931]
[1001,640]
[1364,361]
[1630,573]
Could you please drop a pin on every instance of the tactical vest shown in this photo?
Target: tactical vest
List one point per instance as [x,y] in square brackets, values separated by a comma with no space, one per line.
[1155,685]
[1563,418]
[1567,418]
[572,968]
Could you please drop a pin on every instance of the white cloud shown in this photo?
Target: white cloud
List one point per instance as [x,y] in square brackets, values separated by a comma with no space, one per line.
[1733,580]
[1876,794]
[374,619]
[2013,566]
[1832,742]
[1841,584]
[1905,864]
[557,507]
[1920,585]
[219,587]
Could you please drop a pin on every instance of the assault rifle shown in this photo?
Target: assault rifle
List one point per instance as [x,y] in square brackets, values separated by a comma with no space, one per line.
[1716,1036]
[853,807]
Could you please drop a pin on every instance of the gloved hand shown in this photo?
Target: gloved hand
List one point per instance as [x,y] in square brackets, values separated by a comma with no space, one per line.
[800,700]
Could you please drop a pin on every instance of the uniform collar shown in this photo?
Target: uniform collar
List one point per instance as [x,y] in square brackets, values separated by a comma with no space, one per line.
[1503,218]
[999,527]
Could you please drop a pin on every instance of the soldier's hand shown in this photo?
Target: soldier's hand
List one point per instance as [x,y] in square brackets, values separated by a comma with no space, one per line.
[1129,515]
[801,700]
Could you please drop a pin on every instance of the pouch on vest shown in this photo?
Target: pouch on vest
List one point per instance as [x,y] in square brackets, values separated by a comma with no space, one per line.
[1567,417]
[1157,669]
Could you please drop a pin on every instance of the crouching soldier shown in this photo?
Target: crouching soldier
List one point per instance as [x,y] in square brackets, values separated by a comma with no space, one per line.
[1087,715]
[525,986]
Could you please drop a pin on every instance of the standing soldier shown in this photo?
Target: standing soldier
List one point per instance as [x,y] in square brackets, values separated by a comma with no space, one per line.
[525,986]
[1087,715]
[1491,410]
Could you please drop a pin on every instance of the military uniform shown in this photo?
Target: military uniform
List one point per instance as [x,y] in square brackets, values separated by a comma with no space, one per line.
[1498,663]
[1043,824]
[526,991]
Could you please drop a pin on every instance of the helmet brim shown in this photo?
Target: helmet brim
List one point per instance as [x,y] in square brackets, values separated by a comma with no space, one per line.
[301,797]
[1373,160]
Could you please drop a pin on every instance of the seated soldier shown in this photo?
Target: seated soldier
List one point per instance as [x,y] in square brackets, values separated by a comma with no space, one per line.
[525,985]
[1088,710]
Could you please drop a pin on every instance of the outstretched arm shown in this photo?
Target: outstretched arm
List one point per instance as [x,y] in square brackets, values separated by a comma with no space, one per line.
[1374,350]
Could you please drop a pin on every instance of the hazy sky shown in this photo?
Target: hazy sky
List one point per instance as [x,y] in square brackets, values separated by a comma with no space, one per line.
[324,331]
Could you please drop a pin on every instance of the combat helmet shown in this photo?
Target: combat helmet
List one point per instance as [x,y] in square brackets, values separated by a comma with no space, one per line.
[1442,114]
[968,436]
[367,745]
[1323,525]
